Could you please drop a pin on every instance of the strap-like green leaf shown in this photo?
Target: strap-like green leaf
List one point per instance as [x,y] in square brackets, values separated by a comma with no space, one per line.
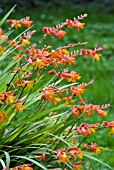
[95,159]
[7,160]
[2,162]
[59,138]
[6,16]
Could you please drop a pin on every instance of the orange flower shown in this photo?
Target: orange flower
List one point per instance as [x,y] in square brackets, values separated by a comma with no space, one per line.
[9,97]
[77,166]
[60,33]
[84,129]
[14,23]
[71,77]
[93,147]
[64,158]
[78,24]
[42,157]
[1,49]
[13,43]
[54,31]
[27,168]
[26,23]
[28,83]
[93,130]
[18,107]
[101,112]
[3,116]
[70,59]
[49,94]
[75,152]
[49,30]
[69,23]
[88,53]
[80,89]
[51,72]
[61,56]
[76,111]
[24,41]
[111,131]
[110,125]
[66,51]
[56,100]
[23,167]
[17,23]
[97,57]
[38,63]
[68,100]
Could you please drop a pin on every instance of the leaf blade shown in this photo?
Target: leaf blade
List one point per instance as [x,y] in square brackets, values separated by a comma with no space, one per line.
[6,16]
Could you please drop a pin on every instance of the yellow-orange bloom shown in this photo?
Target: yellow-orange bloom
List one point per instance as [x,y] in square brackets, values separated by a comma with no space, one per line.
[38,63]
[17,23]
[93,147]
[42,157]
[24,41]
[3,116]
[27,83]
[71,77]
[64,158]
[110,125]
[77,167]
[111,131]
[56,100]
[97,57]
[50,94]
[23,167]
[68,100]
[93,130]
[66,52]
[60,33]
[78,25]
[14,23]
[18,107]
[9,98]
[1,49]
[27,168]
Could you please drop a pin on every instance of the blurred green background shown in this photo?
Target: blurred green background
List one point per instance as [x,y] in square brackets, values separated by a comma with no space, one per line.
[98,32]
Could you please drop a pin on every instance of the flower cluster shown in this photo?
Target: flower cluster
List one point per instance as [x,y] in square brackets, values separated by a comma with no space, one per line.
[87,109]
[65,156]
[58,32]
[17,23]
[86,129]
[21,167]
[91,53]
[109,125]
[93,147]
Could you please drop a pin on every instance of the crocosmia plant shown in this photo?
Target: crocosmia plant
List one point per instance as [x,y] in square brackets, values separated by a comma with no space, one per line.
[42,110]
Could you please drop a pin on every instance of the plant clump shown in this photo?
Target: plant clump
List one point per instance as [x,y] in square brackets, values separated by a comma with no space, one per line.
[42,110]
